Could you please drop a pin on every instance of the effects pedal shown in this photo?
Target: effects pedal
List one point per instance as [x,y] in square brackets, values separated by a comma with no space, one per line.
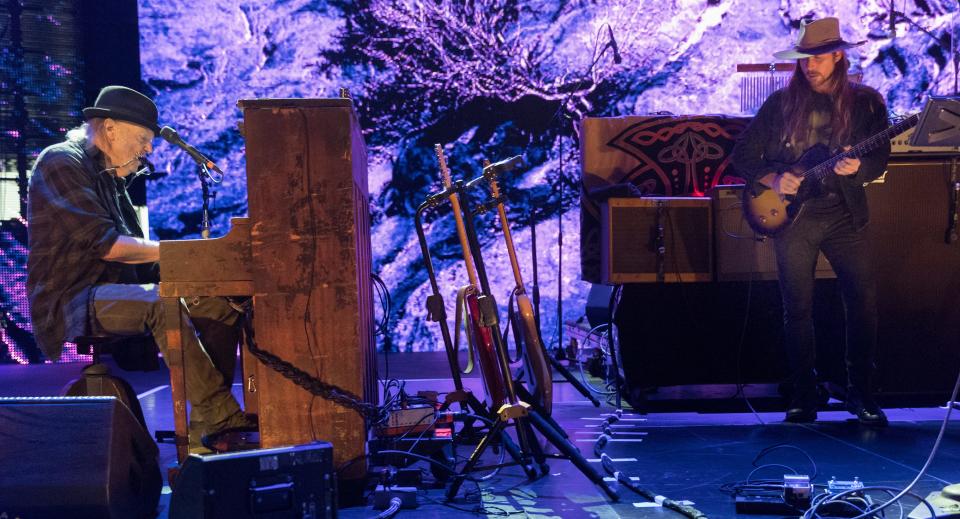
[797,490]
[792,500]
[836,486]
[849,504]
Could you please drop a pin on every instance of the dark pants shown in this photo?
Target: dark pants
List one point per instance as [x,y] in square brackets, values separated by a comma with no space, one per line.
[209,360]
[832,232]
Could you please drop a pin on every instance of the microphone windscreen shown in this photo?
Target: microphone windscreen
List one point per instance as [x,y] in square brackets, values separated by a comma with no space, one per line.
[169,134]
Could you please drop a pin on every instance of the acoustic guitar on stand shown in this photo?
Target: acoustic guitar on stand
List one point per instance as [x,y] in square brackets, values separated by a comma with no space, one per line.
[479,337]
[770,213]
[534,355]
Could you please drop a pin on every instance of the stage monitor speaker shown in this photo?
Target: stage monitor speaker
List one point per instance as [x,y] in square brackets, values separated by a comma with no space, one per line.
[283,482]
[629,230]
[598,304]
[76,457]
[740,254]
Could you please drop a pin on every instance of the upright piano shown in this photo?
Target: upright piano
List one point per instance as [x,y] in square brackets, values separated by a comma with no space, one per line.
[303,254]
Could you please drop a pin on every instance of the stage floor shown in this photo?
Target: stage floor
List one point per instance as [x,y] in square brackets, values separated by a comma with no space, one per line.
[684,456]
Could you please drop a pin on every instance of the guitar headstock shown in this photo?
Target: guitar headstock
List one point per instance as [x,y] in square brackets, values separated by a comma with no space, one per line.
[492,179]
[444,170]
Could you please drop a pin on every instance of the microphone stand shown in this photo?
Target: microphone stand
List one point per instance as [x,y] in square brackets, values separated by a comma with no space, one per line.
[559,353]
[554,362]
[204,175]
[896,16]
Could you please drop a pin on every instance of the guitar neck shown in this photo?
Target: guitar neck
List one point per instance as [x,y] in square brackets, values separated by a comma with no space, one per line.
[823,169]
[507,236]
[458,218]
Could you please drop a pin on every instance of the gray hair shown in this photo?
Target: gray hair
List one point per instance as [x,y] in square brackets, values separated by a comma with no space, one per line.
[86,131]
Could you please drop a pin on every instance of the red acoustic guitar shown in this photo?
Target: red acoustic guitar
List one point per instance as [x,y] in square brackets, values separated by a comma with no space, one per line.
[479,337]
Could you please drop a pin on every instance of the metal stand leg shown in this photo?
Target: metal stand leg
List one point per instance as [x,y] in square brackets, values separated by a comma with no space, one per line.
[614,357]
[572,454]
[574,381]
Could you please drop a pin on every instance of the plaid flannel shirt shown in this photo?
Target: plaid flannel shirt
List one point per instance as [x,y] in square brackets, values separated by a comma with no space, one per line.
[75,213]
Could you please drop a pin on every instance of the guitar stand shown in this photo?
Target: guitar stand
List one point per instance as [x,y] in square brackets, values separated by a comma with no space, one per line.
[515,410]
[436,311]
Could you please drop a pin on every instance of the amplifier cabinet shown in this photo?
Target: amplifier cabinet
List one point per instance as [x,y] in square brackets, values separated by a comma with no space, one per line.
[629,231]
[742,254]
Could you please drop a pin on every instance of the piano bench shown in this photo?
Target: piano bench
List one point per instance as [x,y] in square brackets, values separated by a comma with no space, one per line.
[96,379]
[130,352]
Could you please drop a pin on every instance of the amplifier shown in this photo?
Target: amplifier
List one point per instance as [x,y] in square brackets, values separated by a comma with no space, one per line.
[285,482]
[900,145]
[630,229]
[741,254]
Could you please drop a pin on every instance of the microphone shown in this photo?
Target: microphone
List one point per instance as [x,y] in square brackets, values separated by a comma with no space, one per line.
[170,135]
[617,58]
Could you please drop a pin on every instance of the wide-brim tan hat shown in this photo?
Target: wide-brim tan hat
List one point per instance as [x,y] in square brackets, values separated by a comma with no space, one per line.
[817,37]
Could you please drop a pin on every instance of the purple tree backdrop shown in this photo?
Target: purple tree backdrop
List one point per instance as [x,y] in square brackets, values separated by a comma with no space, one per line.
[488,79]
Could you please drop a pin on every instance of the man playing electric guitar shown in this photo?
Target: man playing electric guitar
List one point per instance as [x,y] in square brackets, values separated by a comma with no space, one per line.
[820,110]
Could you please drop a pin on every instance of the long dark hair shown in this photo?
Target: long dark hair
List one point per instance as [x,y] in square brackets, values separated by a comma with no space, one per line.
[798,98]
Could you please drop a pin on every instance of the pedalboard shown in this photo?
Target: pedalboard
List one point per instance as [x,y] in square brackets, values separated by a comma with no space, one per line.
[412,420]
[772,504]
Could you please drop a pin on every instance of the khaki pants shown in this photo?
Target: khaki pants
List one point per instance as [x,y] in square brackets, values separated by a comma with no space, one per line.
[209,360]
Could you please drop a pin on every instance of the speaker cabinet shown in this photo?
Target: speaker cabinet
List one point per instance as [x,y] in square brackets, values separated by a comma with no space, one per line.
[77,457]
[918,277]
[629,233]
[740,254]
[267,483]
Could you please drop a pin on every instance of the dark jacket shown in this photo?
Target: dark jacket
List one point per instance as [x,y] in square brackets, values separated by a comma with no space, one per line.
[762,148]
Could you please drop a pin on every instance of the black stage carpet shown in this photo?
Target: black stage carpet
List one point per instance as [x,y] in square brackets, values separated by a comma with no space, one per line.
[682,455]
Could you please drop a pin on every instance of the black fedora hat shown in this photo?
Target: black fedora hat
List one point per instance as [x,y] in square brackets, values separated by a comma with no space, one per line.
[125,104]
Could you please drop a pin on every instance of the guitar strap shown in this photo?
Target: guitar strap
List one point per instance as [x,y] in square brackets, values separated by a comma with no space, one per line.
[462,321]
[513,318]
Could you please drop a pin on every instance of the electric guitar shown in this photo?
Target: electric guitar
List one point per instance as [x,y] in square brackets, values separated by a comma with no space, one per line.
[770,213]
[534,356]
[479,337]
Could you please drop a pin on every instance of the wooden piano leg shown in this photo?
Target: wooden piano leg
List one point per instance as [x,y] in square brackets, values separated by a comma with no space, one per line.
[178,384]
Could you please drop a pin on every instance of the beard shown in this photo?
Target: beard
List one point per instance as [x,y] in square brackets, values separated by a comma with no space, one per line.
[816,81]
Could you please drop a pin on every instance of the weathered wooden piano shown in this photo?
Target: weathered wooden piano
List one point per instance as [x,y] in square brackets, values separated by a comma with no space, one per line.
[303,254]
